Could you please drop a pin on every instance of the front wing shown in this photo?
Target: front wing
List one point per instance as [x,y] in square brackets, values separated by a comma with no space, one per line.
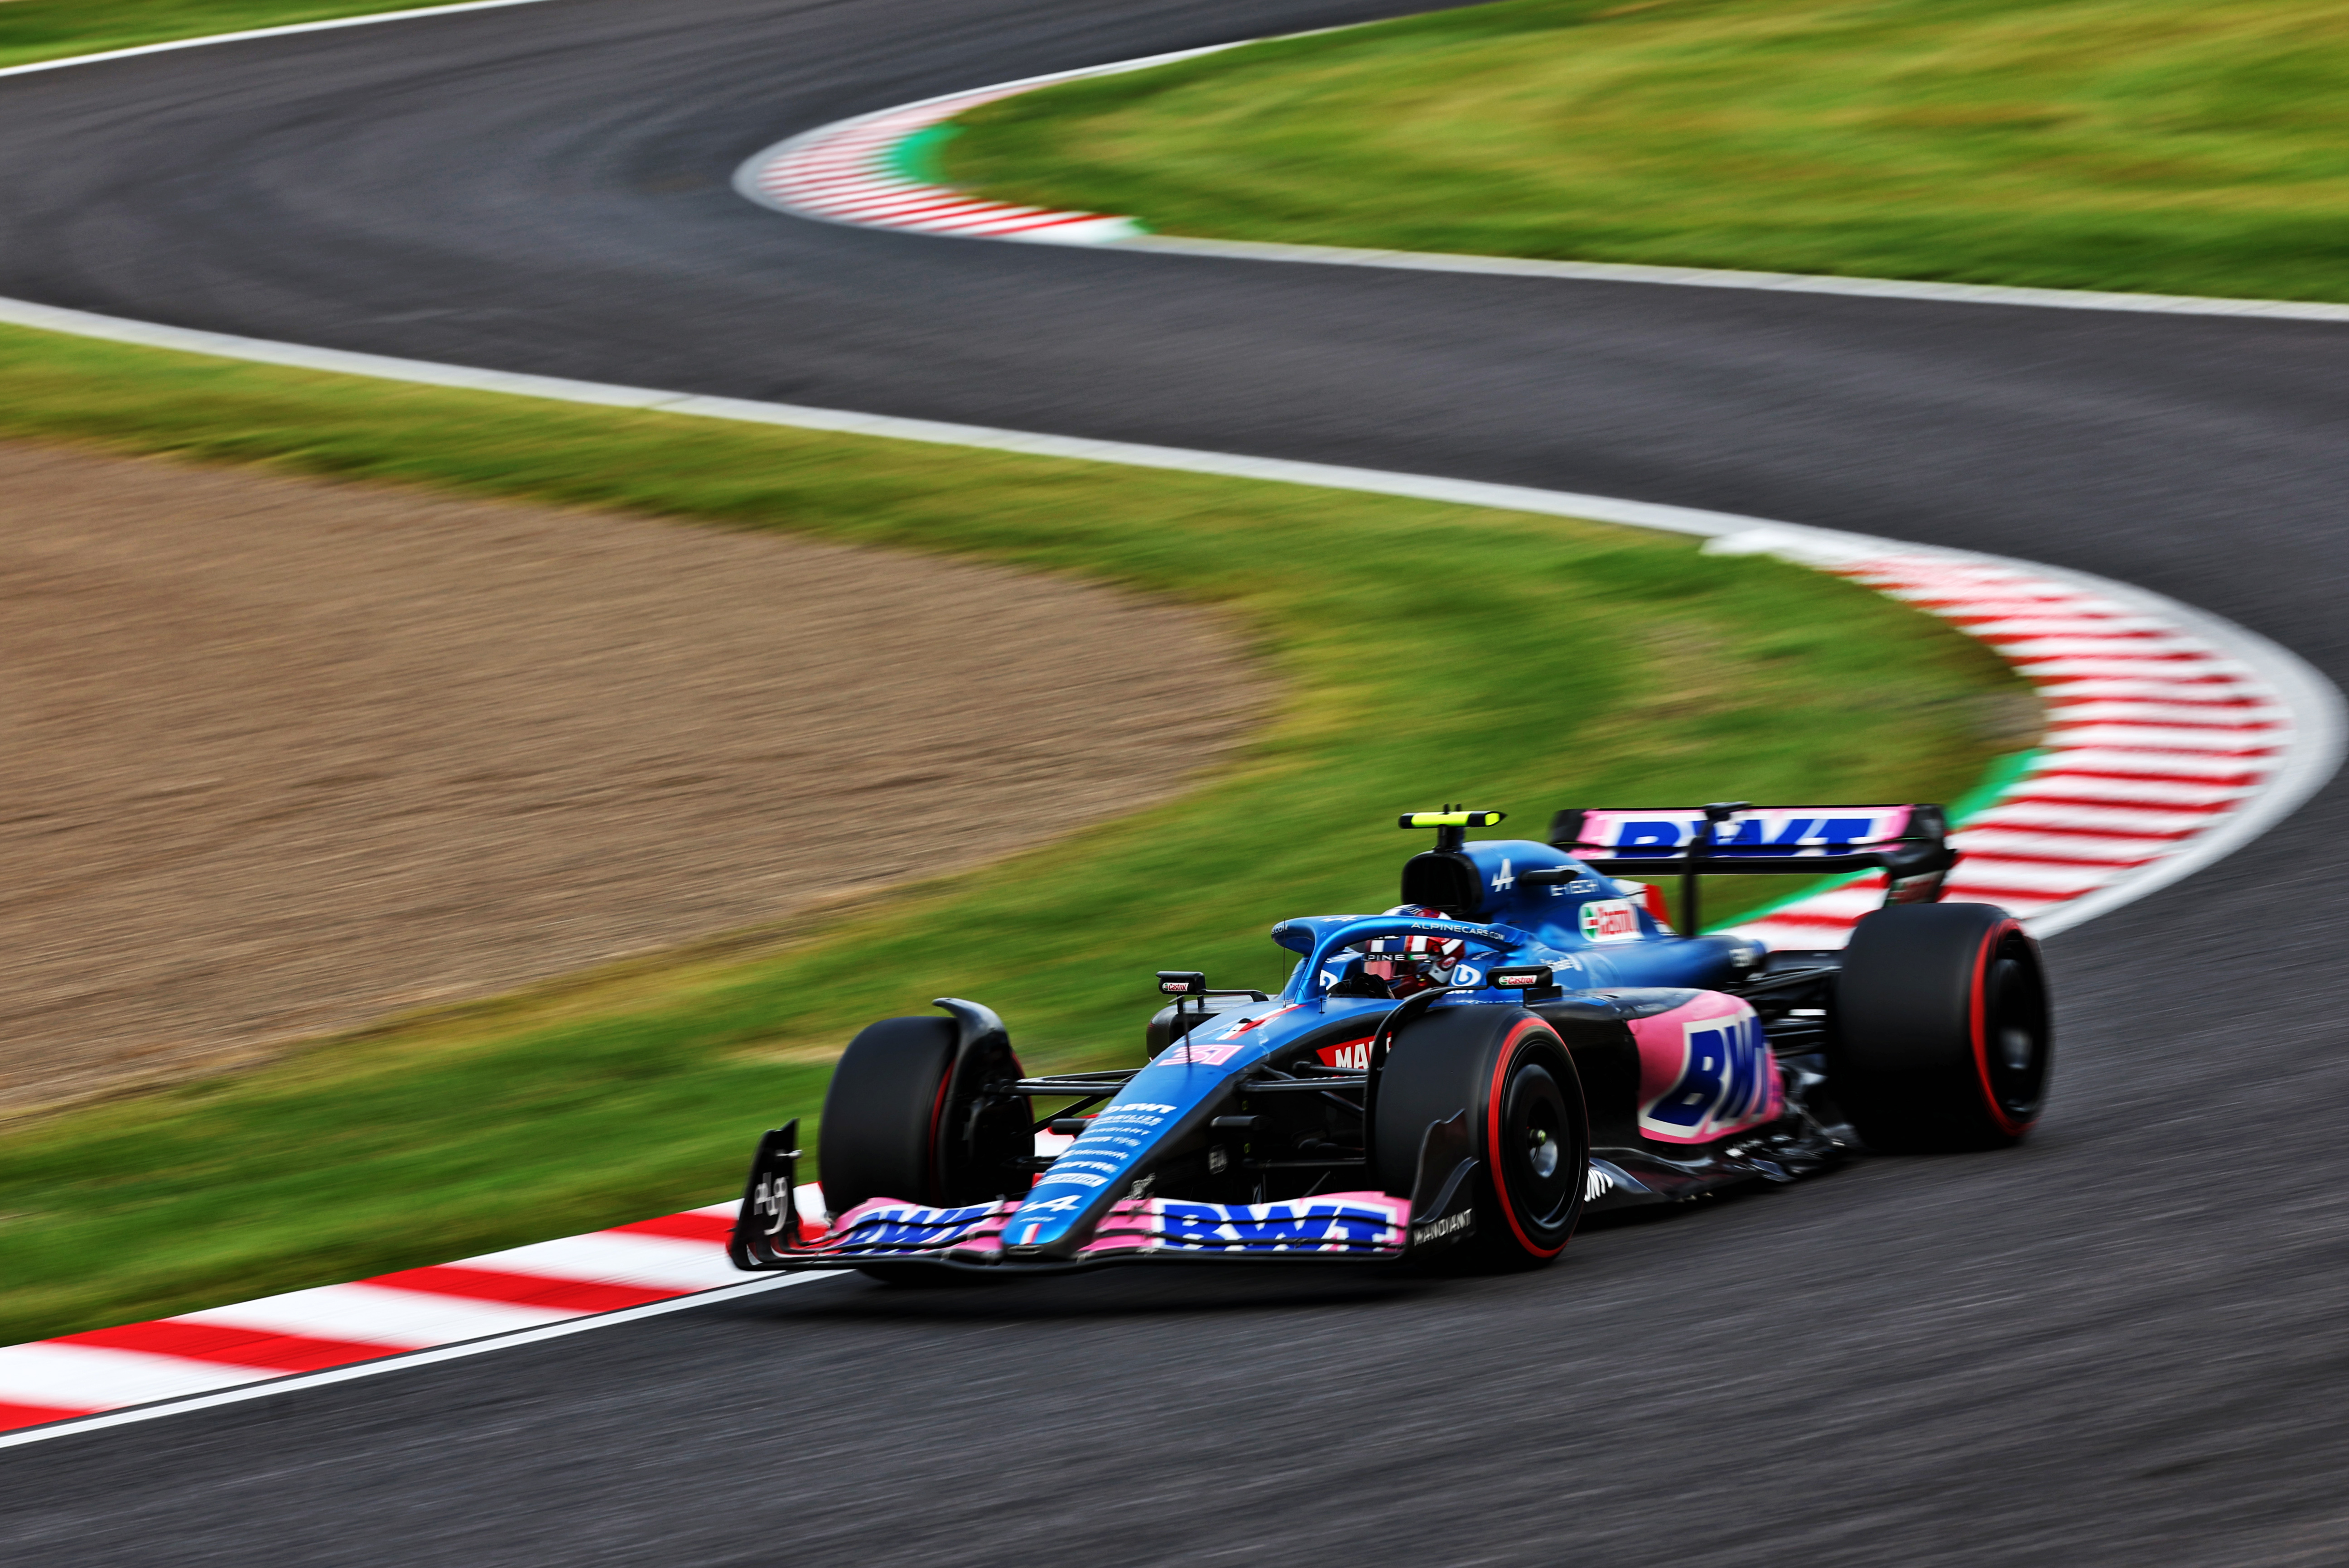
[1361,1226]
[770,1233]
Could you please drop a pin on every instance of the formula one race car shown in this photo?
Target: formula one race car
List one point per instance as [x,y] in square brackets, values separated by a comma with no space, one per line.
[1523,1039]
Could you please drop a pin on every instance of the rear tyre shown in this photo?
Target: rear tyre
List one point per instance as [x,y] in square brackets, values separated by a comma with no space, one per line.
[912,1114]
[1528,1126]
[1941,1038]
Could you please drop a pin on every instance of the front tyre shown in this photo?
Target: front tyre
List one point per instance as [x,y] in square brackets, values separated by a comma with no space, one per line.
[1941,1033]
[915,1111]
[1528,1126]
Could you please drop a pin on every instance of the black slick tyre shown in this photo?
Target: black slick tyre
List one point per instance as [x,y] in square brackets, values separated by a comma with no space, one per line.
[1529,1129]
[1942,1037]
[910,1115]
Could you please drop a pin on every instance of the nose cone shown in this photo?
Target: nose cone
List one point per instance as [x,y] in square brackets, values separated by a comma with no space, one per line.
[1099,1165]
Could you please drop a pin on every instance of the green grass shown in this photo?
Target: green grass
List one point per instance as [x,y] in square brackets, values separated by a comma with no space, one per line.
[2155,145]
[47,29]
[1423,653]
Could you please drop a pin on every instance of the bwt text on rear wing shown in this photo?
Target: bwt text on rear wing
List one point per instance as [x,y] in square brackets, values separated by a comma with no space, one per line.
[1911,844]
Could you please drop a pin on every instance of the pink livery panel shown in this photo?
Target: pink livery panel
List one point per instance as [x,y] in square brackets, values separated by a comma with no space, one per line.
[1705,1071]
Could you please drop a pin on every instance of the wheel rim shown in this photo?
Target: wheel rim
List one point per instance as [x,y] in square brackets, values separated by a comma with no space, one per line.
[1540,1172]
[984,1137]
[2014,1037]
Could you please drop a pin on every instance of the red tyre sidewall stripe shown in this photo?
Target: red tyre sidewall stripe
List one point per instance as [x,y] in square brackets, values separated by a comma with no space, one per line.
[937,1173]
[1494,1094]
[1021,1070]
[937,1115]
[1980,1024]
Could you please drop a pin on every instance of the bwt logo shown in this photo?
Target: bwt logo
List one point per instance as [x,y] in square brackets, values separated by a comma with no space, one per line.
[910,1227]
[1277,1226]
[1830,834]
[1726,1081]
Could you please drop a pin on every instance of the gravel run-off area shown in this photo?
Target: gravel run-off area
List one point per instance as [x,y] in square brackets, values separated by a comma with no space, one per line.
[279,757]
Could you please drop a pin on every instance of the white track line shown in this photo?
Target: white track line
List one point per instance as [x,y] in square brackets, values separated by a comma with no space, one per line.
[330,25]
[2189,736]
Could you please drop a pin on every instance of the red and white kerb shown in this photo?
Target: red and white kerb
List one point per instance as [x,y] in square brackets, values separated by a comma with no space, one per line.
[2154,737]
[849,173]
[392,1314]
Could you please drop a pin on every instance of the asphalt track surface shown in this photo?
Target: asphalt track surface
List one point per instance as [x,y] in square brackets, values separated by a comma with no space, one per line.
[2121,1343]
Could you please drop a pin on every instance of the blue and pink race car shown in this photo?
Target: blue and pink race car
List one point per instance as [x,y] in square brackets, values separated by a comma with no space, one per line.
[1522,1040]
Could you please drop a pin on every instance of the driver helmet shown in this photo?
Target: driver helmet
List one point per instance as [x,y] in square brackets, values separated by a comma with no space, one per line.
[1411,963]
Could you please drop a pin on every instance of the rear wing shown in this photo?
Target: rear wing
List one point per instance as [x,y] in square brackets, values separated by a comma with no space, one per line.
[1743,840]
[1911,844]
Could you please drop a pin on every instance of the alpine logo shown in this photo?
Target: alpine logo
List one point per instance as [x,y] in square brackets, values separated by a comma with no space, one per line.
[1504,878]
[772,1196]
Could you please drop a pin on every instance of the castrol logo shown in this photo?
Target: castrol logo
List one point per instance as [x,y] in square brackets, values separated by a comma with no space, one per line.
[1610,920]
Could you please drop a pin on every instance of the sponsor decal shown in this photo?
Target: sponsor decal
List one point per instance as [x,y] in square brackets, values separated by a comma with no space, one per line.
[1358,1222]
[884,1223]
[1610,920]
[1460,932]
[1052,1205]
[1806,830]
[1522,977]
[1312,1225]
[1354,1055]
[1067,1163]
[1060,1177]
[1725,1077]
[1597,1185]
[1461,1224]
[1199,1055]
